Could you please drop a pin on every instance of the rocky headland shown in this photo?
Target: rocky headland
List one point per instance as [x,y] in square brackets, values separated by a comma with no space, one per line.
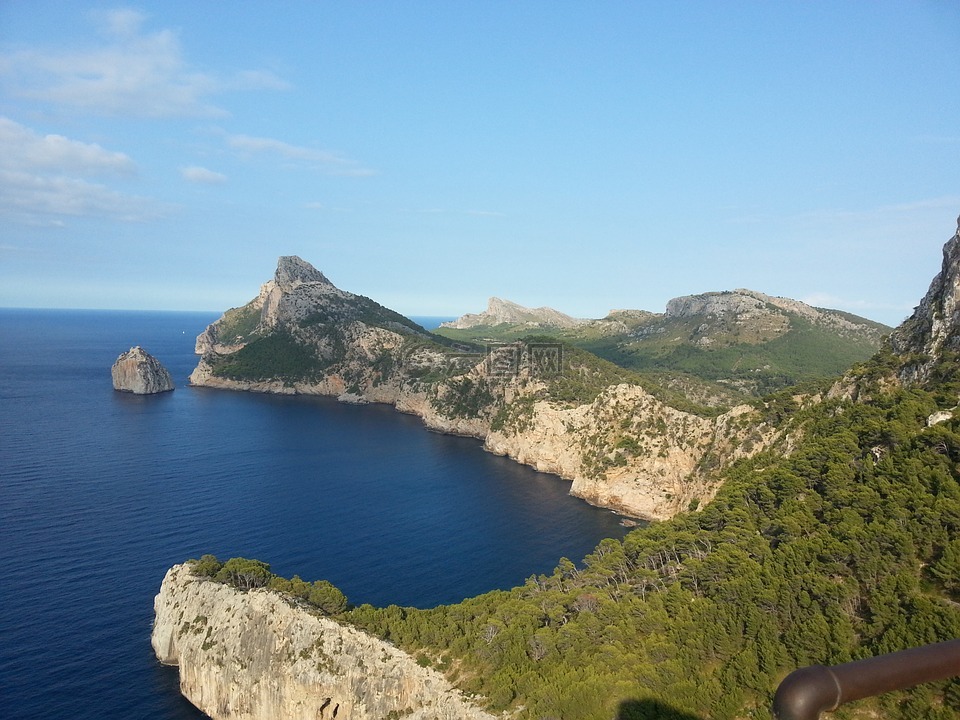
[137,371]
[556,408]
[246,655]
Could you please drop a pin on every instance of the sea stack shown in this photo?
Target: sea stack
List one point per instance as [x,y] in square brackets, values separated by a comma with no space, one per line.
[138,372]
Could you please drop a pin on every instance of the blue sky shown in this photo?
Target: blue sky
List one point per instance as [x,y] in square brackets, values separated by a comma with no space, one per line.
[581,155]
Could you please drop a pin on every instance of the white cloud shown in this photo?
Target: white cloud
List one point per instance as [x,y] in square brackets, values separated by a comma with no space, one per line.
[132,73]
[122,22]
[45,177]
[42,200]
[25,149]
[323,159]
[202,175]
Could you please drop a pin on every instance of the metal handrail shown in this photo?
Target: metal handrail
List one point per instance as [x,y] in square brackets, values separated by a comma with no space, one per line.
[809,691]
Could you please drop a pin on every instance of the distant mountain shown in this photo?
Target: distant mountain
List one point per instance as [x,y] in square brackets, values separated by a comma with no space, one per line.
[736,344]
[504,312]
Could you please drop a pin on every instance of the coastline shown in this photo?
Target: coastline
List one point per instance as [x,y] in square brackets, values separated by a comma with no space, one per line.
[549,447]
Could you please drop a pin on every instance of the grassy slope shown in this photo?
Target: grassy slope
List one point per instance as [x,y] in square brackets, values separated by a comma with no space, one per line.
[807,352]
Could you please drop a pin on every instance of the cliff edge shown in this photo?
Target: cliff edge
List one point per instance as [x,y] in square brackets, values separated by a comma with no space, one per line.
[246,655]
[934,327]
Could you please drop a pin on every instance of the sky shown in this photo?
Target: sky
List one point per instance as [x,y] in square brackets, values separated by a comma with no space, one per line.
[585,156]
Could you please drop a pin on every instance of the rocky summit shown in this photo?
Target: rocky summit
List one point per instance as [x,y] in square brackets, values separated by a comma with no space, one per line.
[501,312]
[137,371]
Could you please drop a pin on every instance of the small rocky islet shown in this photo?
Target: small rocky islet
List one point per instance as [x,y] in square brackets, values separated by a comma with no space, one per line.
[137,371]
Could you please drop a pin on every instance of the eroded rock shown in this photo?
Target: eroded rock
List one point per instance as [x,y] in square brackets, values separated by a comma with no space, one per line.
[137,371]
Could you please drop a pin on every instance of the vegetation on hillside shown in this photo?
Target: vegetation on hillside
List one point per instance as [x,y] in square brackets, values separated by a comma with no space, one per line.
[846,549]
[247,574]
[276,356]
[804,353]
[238,324]
[748,362]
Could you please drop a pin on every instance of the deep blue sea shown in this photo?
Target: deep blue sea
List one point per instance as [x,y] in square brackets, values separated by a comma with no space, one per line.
[101,492]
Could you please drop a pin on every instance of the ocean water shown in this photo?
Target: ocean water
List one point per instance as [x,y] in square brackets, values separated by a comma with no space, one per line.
[101,492]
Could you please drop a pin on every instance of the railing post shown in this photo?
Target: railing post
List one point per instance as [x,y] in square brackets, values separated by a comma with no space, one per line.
[809,691]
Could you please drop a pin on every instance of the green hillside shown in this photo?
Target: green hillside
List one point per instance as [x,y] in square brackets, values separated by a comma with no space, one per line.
[849,547]
[724,360]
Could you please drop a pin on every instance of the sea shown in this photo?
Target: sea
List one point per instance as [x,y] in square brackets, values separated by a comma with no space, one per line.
[101,492]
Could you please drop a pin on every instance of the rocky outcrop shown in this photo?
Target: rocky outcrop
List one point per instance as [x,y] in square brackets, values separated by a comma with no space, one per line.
[934,326]
[632,453]
[768,316]
[504,312]
[138,372]
[254,655]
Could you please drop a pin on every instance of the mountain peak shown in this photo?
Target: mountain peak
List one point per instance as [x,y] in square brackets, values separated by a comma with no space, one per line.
[293,270]
[501,312]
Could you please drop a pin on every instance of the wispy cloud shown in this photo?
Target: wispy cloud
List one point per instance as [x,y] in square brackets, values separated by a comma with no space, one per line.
[325,160]
[132,73]
[25,149]
[202,175]
[44,178]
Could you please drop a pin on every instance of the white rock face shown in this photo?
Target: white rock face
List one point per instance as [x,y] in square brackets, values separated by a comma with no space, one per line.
[661,472]
[137,371]
[935,324]
[253,656]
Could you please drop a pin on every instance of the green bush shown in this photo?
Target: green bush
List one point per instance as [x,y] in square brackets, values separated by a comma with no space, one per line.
[245,574]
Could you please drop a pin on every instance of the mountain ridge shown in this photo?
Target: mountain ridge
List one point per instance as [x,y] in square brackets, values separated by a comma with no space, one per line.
[730,346]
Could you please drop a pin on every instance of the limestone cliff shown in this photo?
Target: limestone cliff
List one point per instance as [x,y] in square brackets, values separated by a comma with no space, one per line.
[138,372]
[630,452]
[558,409]
[934,327]
[254,655]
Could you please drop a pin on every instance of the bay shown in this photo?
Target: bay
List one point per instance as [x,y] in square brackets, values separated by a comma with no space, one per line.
[101,492]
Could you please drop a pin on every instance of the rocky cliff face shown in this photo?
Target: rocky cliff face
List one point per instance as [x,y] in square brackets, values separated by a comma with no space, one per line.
[619,446]
[500,312]
[934,326]
[253,655]
[138,372]
[630,452]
